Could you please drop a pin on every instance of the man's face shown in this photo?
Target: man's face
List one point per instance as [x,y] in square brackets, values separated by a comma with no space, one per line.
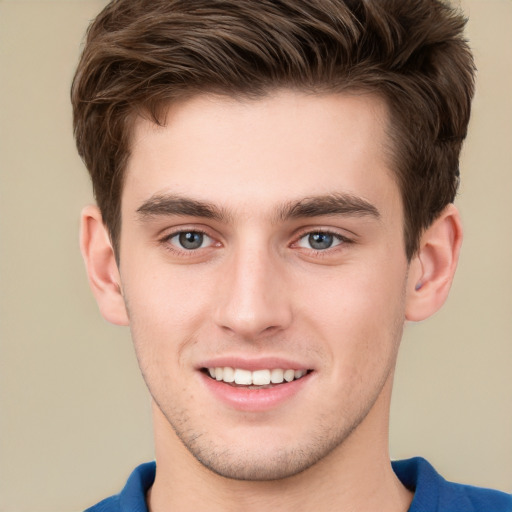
[265,237]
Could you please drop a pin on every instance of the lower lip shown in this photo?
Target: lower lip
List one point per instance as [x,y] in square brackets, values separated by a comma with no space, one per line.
[254,400]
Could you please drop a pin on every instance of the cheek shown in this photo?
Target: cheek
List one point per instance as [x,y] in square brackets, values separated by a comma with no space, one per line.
[166,312]
[162,295]
[360,313]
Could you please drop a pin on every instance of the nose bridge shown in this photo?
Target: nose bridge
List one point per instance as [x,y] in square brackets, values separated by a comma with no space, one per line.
[253,301]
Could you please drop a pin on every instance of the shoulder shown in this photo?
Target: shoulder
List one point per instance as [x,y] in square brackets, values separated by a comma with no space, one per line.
[479,498]
[133,496]
[434,493]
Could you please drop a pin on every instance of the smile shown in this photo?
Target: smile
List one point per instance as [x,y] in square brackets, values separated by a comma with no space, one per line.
[254,385]
[238,376]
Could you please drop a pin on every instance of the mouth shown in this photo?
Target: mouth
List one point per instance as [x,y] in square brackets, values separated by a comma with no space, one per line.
[255,385]
[257,379]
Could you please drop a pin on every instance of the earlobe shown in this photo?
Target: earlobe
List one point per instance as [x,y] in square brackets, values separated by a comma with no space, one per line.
[432,269]
[101,266]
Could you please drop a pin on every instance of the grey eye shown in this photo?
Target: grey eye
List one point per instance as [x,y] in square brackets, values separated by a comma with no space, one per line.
[319,241]
[190,240]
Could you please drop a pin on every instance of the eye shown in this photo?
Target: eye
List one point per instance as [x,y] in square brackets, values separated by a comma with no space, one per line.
[190,240]
[320,240]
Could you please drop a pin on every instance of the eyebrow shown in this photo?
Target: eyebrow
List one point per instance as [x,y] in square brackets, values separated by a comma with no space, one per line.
[329,204]
[314,206]
[162,205]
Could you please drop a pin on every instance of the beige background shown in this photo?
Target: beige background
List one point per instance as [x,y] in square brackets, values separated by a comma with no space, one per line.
[74,414]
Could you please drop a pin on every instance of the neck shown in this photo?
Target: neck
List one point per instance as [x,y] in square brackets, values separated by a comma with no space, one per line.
[357,475]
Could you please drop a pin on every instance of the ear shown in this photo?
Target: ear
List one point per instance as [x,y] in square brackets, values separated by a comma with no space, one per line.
[101,266]
[431,271]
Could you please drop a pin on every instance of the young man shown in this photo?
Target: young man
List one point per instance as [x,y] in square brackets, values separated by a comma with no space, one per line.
[274,182]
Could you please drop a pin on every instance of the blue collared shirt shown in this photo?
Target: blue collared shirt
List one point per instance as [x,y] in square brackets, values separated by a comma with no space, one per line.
[432,493]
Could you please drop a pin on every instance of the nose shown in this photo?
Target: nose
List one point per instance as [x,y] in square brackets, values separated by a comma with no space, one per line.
[253,299]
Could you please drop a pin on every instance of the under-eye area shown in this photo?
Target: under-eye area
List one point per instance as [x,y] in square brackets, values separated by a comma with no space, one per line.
[258,379]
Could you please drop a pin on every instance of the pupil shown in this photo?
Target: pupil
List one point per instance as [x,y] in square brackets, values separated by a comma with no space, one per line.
[191,240]
[320,240]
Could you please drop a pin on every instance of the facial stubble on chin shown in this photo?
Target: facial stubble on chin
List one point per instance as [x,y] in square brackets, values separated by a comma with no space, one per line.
[247,465]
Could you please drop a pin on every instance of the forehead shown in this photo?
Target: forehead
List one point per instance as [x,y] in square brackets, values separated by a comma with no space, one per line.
[282,147]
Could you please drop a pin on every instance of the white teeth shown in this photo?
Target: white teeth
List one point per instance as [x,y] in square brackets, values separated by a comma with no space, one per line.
[255,378]
[228,374]
[276,376]
[261,377]
[243,377]
[289,375]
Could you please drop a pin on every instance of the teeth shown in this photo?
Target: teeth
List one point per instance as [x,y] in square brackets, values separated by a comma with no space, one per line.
[289,375]
[228,374]
[276,376]
[261,377]
[256,378]
[243,377]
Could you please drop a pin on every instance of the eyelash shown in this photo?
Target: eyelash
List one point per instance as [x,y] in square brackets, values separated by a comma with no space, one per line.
[166,242]
[343,240]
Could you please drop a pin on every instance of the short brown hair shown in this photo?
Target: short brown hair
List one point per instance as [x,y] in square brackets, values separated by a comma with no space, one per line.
[140,55]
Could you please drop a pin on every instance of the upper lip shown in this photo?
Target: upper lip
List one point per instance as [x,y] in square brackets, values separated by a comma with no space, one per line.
[253,364]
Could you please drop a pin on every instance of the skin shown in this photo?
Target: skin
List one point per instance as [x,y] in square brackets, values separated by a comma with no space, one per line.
[237,172]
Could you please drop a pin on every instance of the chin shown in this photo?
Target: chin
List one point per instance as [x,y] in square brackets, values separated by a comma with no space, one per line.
[264,460]
[258,468]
